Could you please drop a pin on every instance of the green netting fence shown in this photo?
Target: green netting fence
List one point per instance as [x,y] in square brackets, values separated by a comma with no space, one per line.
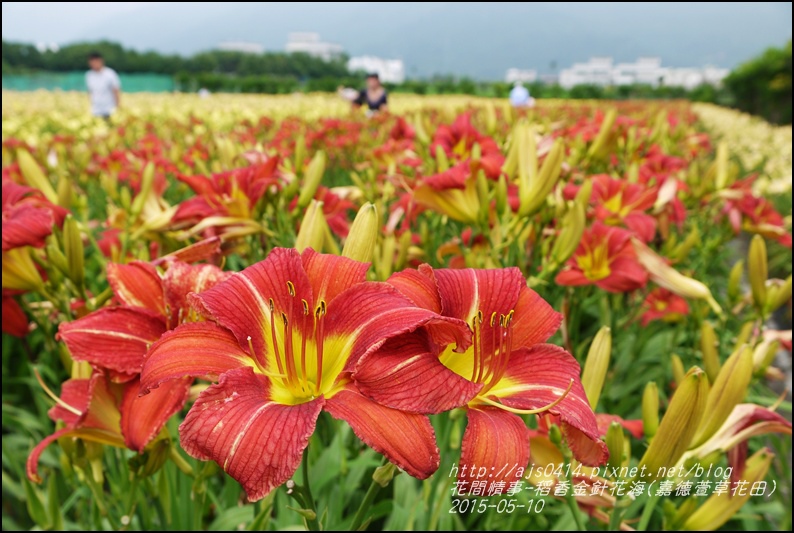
[75,81]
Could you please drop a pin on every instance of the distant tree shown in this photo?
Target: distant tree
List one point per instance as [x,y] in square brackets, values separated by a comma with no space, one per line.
[762,86]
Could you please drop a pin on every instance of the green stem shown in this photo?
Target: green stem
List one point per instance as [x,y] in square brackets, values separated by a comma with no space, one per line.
[132,500]
[606,310]
[617,514]
[647,512]
[180,462]
[571,500]
[304,494]
[369,497]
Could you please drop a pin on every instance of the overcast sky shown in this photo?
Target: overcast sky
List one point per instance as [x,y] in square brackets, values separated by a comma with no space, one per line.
[478,39]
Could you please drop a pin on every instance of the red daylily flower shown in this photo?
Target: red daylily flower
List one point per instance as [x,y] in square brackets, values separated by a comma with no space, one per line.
[402,131]
[14,320]
[658,166]
[458,140]
[452,193]
[745,421]
[661,304]
[622,203]
[27,216]
[289,333]
[233,193]
[506,371]
[98,410]
[754,214]
[114,340]
[604,258]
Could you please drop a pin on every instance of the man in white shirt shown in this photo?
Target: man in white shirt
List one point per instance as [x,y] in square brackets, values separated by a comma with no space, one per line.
[104,87]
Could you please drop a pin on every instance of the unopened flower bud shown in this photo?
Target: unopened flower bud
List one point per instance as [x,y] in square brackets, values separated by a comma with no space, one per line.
[720,507]
[147,179]
[708,347]
[596,365]
[442,162]
[615,440]
[501,195]
[727,391]
[535,195]
[384,474]
[764,355]
[65,188]
[482,197]
[73,248]
[573,225]
[757,270]
[35,177]
[360,243]
[312,231]
[650,410]
[600,146]
[778,293]
[679,423]
[55,256]
[19,271]
[678,369]
[312,178]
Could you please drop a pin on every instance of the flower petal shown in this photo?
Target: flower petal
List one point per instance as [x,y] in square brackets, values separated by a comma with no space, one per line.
[406,439]
[534,320]
[138,285]
[405,373]
[142,417]
[199,251]
[241,303]
[76,393]
[634,427]
[363,317]
[25,225]
[32,465]
[331,274]
[15,322]
[419,286]
[256,441]
[495,449]
[200,349]
[181,279]
[644,226]
[537,377]
[464,292]
[115,337]
[626,275]
[572,277]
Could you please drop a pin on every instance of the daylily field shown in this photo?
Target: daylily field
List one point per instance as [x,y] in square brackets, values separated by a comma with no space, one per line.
[246,312]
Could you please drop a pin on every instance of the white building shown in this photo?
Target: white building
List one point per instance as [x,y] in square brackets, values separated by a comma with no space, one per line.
[515,74]
[241,46]
[389,70]
[597,71]
[310,43]
[646,71]
[689,78]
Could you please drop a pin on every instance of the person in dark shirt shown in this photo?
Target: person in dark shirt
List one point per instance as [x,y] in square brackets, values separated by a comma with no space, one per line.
[374,96]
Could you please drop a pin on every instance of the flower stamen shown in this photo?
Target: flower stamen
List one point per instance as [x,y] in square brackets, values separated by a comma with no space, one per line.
[529,411]
[52,395]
